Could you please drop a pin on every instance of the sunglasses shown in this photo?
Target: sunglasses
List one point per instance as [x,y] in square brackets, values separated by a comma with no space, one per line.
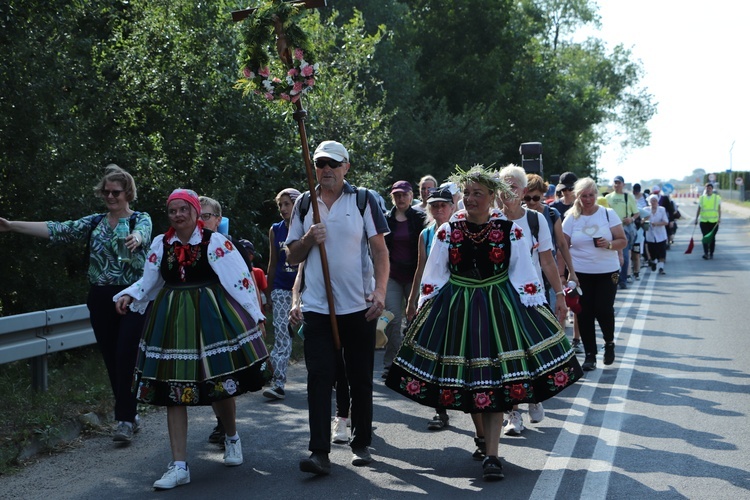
[567,189]
[528,198]
[114,192]
[321,163]
[207,215]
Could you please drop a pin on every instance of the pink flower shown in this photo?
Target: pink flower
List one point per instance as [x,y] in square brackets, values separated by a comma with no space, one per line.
[482,400]
[455,256]
[297,87]
[441,235]
[298,54]
[457,236]
[248,74]
[427,289]
[285,96]
[152,258]
[561,378]
[530,288]
[276,79]
[292,72]
[228,245]
[496,235]
[296,98]
[245,283]
[308,70]
[268,95]
[518,233]
[412,386]
[264,72]
[219,253]
[310,82]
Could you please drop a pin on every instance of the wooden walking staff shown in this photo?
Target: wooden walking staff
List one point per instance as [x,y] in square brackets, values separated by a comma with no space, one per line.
[299,116]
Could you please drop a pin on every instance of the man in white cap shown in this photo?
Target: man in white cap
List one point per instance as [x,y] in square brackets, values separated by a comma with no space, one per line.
[359,287]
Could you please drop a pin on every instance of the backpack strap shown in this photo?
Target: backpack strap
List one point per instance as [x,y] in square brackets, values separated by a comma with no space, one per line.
[304,204]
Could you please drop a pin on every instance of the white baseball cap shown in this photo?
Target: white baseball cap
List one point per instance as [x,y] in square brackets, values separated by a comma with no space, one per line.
[332,149]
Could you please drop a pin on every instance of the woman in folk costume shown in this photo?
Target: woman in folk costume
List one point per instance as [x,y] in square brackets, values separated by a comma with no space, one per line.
[203,340]
[483,339]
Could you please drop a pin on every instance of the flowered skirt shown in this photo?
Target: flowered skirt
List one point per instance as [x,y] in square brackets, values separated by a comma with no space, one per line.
[198,346]
[475,347]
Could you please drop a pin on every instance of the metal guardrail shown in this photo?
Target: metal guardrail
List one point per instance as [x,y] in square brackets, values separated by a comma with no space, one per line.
[37,334]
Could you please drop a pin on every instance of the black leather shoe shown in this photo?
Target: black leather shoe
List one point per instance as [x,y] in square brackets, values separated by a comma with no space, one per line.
[590,363]
[318,463]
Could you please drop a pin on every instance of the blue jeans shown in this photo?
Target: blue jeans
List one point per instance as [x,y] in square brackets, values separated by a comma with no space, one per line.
[630,235]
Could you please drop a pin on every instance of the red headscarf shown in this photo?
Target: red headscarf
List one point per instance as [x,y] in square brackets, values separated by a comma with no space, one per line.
[189,196]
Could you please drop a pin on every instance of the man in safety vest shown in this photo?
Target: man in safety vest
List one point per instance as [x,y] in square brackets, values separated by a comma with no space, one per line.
[709,214]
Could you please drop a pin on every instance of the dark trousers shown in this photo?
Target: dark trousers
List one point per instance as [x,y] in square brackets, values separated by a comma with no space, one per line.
[707,227]
[343,401]
[597,303]
[117,337]
[358,351]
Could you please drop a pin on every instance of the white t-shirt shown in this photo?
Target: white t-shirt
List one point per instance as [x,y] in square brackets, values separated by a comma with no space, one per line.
[545,238]
[588,258]
[349,264]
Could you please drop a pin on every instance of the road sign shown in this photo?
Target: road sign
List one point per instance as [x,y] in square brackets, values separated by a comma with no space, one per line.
[667,188]
[739,181]
[711,177]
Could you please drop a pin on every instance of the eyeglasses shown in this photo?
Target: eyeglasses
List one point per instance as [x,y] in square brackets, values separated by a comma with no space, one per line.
[528,198]
[566,189]
[207,215]
[321,163]
[114,192]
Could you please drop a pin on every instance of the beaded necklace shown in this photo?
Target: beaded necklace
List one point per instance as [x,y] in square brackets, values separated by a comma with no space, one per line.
[478,237]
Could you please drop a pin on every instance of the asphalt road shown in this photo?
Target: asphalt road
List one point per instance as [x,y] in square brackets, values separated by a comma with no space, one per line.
[667,420]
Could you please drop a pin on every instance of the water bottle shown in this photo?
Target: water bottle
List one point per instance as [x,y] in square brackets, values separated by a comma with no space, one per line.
[122,231]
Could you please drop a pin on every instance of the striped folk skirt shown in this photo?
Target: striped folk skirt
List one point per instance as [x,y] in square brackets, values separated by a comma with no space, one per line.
[475,347]
[198,346]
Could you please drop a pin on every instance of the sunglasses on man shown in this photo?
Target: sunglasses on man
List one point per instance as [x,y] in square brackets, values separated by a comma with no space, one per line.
[323,162]
[528,198]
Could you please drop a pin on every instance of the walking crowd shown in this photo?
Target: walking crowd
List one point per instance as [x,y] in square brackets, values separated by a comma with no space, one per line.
[478,277]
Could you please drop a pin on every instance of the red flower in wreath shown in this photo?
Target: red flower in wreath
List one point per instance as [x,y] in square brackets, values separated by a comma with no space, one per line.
[427,289]
[496,235]
[455,256]
[447,398]
[441,235]
[457,236]
[497,255]
[246,283]
[561,378]
[228,245]
[530,288]
[152,258]
[219,253]
[518,232]
[517,391]
[482,400]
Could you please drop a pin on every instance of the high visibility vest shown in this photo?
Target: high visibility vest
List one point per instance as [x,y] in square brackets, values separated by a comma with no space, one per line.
[709,207]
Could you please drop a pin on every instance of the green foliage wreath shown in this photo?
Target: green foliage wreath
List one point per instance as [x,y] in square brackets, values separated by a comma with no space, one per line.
[257,69]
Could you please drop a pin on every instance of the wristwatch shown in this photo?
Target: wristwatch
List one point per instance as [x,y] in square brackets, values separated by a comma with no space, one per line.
[609,246]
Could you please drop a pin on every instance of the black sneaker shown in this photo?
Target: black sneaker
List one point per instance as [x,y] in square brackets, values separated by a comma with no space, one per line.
[217,435]
[492,469]
[318,464]
[439,421]
[609,353]
[481,450]
[589,363]
[705,257]
[652,264]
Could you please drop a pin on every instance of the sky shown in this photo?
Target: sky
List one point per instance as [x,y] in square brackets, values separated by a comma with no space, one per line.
[696,57]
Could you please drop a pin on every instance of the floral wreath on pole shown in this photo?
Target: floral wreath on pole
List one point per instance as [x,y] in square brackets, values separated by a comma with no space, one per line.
[260,36]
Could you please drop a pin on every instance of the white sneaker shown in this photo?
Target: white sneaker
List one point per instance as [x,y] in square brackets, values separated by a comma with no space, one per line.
[339,434]
[175,476]
[514,424]
[232,452]
[536,412]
